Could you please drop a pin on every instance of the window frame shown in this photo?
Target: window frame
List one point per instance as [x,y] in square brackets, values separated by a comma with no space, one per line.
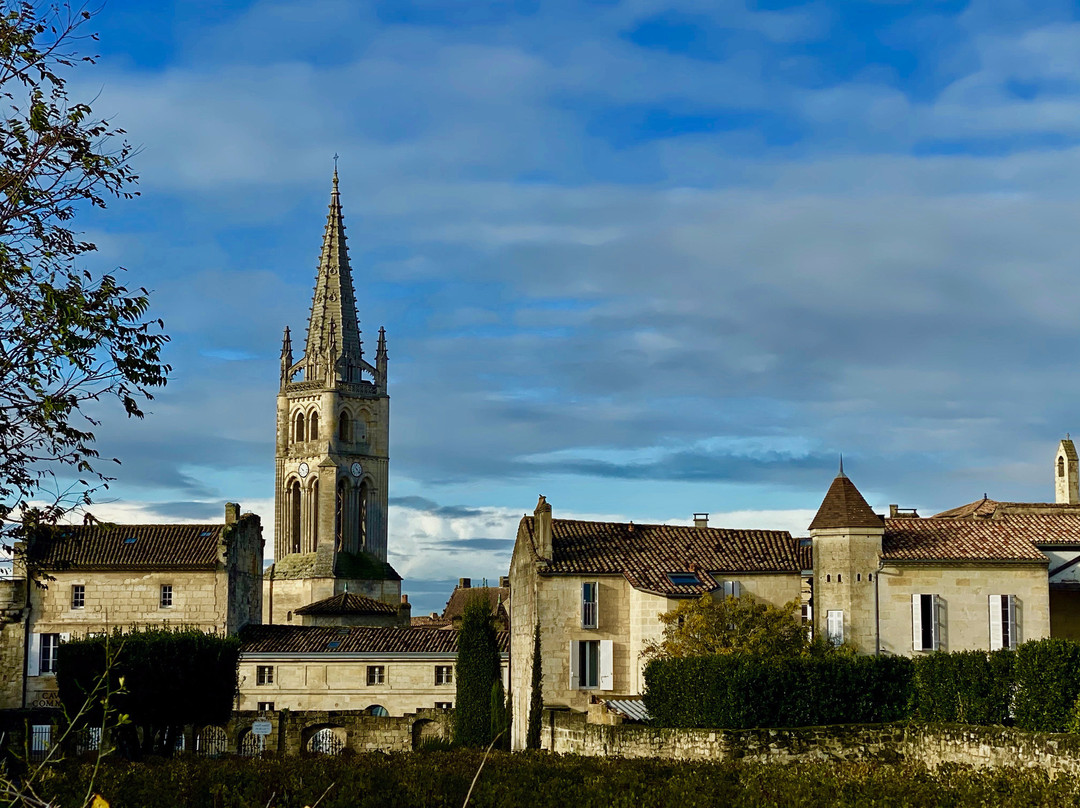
[165,597]
[834,626]
[1004,627]
[264,675]
[925,607]
[444,675]
[265,706]
[49,643]
[78,596]
[590,608]
[375,675]
[588,657]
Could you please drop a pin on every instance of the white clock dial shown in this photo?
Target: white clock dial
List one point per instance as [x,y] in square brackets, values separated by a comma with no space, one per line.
[304,469]
[357,469]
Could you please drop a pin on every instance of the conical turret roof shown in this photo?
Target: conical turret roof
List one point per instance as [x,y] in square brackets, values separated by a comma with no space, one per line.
[844,506]
[333,329]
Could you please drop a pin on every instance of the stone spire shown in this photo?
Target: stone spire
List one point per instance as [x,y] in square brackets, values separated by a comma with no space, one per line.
[286,356]
[381,357]
[333,348]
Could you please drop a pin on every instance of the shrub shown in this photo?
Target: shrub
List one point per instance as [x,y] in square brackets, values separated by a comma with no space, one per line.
[738,691]
[1047,684]
[477,670]
[967,687]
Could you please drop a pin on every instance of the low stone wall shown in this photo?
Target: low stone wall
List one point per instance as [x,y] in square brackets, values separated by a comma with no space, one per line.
[293,730]
[933,745]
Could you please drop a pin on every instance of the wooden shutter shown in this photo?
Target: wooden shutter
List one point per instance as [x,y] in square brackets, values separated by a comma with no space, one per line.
[574,657]
[1011,618]
[935,626]
[33,661]
[996,639]
[916,622]
[607,665]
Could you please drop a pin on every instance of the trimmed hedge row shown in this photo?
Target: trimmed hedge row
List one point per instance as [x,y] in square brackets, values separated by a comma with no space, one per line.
[1036,687]
[541,780]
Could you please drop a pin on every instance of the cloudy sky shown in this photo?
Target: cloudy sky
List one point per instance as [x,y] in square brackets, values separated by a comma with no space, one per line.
[646,258]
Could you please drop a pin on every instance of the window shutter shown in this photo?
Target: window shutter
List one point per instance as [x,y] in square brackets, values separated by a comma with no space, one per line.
[596,604]
[33,662]
[607,665]
[936,624]
[736,589]
[574,680]
[916,622]
[996,640]
[1013,640]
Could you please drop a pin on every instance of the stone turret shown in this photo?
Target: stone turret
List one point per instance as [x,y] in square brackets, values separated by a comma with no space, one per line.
[1066,474]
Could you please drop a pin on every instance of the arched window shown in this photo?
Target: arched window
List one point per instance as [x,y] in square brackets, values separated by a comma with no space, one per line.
[344,427]
[298,432]
[362,517]
[340,518]
[1061,467]
[294,517]
[314,516]
[313,427]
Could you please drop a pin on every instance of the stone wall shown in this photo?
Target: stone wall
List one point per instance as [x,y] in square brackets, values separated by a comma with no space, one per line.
[932,745]
[293,730]
[12,641]
[242,556]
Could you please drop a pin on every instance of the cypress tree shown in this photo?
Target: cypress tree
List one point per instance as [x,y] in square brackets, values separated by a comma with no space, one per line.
[477,670]
[500,721]
[536,698]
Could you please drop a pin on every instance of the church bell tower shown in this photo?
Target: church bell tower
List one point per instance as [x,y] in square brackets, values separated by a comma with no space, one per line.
[333,428]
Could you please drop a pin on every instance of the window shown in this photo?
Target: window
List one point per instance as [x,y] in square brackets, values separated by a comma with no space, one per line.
[49,644]
[589,616]
[166,596]
[732,589]
[924,622]
[591,664]
[298,431]
[78,596]
[376,674]
[1002,622]
[266,706]
[684,578]
[264,674]
[1061,467]
[344,428]
[444,674]
[444,705]
[40,741]
[834,627]
[313,429]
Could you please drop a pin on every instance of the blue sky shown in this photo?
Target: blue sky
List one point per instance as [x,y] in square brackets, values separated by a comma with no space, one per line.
[646,258]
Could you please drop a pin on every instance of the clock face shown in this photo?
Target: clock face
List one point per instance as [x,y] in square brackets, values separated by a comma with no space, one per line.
[303,469]
[357,469]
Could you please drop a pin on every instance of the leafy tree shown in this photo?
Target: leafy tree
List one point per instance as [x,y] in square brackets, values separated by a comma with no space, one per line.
[477,672]
[68,336]
[162,679]
[536,695]
[707,626]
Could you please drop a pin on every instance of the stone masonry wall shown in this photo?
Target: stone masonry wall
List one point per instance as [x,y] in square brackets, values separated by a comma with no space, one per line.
[932,745]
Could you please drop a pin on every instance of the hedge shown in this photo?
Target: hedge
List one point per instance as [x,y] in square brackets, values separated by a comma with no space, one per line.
[966,687]
[737,691]
[1047,684]
[541,780]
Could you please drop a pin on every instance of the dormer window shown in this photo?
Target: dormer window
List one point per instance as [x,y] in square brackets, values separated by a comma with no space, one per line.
[684,578]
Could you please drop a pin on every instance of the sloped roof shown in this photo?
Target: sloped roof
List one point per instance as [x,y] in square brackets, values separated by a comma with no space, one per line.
[844,506]
[645,554]
[359,566]
[1070,449]
[347,603]
[455,607]
[353,640]
[992,509]
[982,509]
[974,540]
[127,547]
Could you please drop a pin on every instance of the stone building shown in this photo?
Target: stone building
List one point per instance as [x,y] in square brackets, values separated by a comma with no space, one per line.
[333,430]
[597,589]
[381,671]
[77,580]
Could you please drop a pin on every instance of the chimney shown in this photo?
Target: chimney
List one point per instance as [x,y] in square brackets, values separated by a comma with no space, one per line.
[701,520]
[504,581]
[405,602]
[232,512]
[464,583]
[542,515]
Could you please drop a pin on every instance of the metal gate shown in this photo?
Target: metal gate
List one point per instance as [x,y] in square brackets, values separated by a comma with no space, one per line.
[326,742]
[40,741]
[211,742]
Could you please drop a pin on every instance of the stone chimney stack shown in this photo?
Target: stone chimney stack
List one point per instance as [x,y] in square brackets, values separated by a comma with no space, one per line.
[232,512]
[464,583]
[701,520]
[504,581]
[544,542]
[1066,474]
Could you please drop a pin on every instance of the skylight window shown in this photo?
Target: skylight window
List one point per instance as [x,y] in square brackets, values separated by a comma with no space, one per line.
[684,578]
[130,540]
[334,644]
[205,533]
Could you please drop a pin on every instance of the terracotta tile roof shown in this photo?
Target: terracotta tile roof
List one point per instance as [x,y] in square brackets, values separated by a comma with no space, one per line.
[806,553]
[431,621]
[844,506]
[347,603]
[992,509]
[983,508]
[109,546]
[497,597]
[987,540]
[352,640]
[645,554]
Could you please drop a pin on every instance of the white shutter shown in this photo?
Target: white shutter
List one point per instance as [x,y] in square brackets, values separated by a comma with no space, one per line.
[996,640]
[736,589]
[936,624]
[596,604]
[916,622]
[607,665]
[33,661]
[574,664]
